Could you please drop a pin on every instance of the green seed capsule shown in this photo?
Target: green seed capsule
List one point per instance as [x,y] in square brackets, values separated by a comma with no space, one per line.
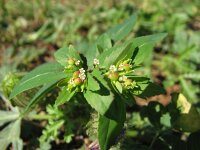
[128,82]
[78,81]
[127,67]
[113,76]
[76,74]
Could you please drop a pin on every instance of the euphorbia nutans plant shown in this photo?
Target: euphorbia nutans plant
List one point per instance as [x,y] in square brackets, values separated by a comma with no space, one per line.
[106,76]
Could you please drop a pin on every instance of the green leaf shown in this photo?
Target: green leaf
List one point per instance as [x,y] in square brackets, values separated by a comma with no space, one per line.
[64,96]
[110,56]
[144,54]
[104,42]
[43,74]
[187,90]
[128,48]
[99,100]
[44,90]
[99,77]
[102,99]
[92,83]
[109,130]
[64,53]
[122,30]
[189,119]
[7,116]
[145,45]
[17,144]
[10,134]
[166,120]
[151,89]
[140,48]
[118,86]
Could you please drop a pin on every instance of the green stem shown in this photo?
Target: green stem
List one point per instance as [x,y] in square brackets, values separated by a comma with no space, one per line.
[154,139]
[39,117]
[7,102]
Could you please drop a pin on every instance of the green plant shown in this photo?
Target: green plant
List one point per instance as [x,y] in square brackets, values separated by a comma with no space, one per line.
[105,77]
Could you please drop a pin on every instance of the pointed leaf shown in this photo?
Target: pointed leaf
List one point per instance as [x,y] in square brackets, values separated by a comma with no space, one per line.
[122,30]
[92,83]
[189,118]
[109,130]
[119,86]
[99,77]
[44,90]
[110,56]
[145,45]
[151,89]
[10,134]
[64,53]
[64,96]
[43,74]
[7,116]
[104,42]
[127,50]
[17,144]
[99,100]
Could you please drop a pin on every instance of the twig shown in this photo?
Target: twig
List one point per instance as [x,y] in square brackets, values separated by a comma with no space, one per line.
[7,102]
[154,139]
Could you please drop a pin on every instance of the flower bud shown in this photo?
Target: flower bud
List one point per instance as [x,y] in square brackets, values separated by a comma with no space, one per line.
[113,76]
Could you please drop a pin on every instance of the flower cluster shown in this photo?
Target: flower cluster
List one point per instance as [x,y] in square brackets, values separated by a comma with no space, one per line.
[72,62]
[79,76]
[113,68]
[127,82]
[118,74]
[77,62]
[82,75]
[125,66]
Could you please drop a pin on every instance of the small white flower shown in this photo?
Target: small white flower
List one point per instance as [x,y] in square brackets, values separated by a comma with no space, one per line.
[123,78]
[77,62]
[82,76]
[121,67]
[113,68]
[82,70]
[96,61]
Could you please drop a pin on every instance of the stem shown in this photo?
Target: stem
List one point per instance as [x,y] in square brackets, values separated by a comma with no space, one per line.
[154,139]
[40,117]
[7,102]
